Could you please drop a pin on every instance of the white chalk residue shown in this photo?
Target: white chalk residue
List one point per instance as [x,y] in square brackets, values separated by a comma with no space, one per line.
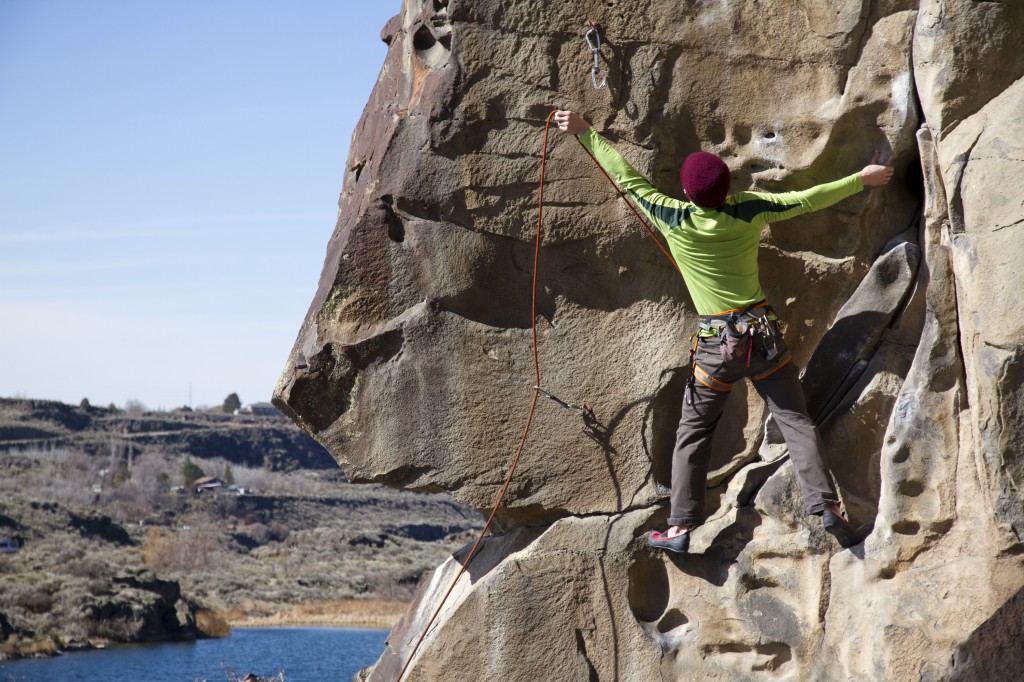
[770,147]
[901,94]
[713,12]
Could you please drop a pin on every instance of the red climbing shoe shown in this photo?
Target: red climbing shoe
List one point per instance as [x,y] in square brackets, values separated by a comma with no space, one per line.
[840,528]
[679,544]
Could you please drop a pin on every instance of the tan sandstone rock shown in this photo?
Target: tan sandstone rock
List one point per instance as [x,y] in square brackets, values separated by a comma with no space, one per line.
[414,365]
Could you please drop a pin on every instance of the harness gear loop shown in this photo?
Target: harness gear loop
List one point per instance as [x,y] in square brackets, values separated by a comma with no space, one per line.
[593,38]
[756,327]
[692,364]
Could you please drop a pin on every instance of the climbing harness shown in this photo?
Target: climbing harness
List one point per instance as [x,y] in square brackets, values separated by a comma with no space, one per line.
[593,38]
[586,411]
[740,332]
[754,326]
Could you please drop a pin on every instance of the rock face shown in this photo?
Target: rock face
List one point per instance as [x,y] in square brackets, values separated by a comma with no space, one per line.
[414,367]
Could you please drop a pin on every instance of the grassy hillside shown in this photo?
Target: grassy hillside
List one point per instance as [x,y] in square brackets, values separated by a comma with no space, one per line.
[117,545]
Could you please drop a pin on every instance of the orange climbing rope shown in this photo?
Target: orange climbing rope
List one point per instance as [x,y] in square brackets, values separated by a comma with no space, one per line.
[537,390]
[529,416]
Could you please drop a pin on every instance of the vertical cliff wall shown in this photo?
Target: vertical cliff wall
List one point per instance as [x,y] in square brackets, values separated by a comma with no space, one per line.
[413,365]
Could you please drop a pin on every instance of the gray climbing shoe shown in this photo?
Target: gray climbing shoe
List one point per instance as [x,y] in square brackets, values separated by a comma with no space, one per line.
[680,544]
[841,529]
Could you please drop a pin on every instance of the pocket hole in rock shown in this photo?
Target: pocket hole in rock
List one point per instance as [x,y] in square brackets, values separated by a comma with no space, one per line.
[648,589]
[423,39]
[672,619]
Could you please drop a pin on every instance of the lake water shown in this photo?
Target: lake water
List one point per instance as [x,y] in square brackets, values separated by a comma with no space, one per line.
[302,654]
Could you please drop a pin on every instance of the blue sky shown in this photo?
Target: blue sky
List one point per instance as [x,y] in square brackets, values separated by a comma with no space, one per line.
[169,176]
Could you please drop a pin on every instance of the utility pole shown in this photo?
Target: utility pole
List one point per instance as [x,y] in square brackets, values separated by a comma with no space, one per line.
[131,451]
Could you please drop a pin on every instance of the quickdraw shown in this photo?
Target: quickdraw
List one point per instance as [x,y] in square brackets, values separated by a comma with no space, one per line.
[692,364]
[586,411]
[593,38]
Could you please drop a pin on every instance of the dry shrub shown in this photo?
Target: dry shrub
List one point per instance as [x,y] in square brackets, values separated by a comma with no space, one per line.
[158,549]
[34,600]
[212,624]
[181,551]
[255,479]
[225,505]
[51,473]
[36,648]
[70,493]
[279,531]
[151,477]
[125,504]
[384,585]
[69,554]
[88,566]
[256,532]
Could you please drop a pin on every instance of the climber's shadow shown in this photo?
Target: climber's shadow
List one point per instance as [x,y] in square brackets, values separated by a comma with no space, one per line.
[601,433]
[713,564]
[722,552]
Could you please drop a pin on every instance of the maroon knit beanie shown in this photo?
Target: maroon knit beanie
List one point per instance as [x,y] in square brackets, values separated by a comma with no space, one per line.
[705,178]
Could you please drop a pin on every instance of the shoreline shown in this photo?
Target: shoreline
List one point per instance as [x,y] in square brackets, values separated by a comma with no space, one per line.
[370,614]
[363,614]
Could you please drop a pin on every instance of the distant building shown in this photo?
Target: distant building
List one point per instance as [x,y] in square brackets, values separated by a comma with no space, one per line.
[259,410]
[207,483]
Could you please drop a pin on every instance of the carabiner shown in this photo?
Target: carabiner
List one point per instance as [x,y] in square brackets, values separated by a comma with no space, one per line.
[593,38]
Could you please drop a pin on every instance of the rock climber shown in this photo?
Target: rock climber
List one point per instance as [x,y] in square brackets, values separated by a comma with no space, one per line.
[714,238]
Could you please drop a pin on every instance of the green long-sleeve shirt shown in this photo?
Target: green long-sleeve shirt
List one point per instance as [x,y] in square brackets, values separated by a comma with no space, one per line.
[716,249]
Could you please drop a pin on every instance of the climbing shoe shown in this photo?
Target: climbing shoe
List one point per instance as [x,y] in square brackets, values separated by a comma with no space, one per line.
[679,544]
[840,528]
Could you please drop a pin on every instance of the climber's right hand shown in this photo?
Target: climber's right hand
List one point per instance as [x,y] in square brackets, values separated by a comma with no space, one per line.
[571,122]
[874,174]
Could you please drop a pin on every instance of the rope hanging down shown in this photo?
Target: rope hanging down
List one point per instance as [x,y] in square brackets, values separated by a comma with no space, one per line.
[585,410]
[529,416]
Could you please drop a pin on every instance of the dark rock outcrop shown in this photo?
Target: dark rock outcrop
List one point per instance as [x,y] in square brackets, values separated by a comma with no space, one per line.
[141,614]
[101,527]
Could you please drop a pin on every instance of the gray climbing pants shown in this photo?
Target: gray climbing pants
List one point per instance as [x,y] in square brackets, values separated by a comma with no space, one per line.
[778,384]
